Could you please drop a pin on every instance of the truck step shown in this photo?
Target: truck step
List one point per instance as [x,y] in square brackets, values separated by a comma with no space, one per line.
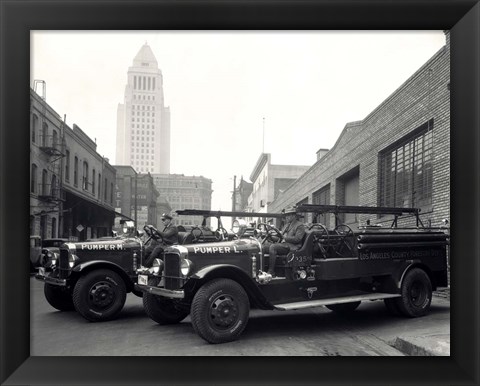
[338,300]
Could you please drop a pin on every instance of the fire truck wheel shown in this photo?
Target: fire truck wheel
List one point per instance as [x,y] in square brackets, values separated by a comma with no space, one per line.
[416,293]
[392,306]
[99,295]
[58,297]
[220,311]
[162,310]
[344,308]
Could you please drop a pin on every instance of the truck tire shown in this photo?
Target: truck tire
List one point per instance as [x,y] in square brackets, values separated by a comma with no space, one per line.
[162,310]
[220,311]
[343,308]
[58,297]
[99,295]
[416,294]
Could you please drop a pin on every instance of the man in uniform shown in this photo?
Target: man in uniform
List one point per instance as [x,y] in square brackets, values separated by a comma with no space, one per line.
[170,237]
[293,233]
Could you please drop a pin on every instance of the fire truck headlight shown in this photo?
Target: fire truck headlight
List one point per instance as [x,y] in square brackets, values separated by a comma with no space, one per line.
[157,266]
[185,267]
[71,260]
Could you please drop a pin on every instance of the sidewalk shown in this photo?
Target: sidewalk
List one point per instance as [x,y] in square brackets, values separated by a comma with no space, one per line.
[433,339]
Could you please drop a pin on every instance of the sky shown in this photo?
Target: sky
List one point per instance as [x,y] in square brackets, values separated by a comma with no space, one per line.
[232,94]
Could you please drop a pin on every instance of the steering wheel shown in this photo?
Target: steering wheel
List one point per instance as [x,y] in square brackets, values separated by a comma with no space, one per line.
[347,234]
[221,234]
[197,234]
[155,233]
[271,232]
[321,238]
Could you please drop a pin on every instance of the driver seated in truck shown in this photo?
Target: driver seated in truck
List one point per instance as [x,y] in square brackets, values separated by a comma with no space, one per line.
[169,236]
[293,233]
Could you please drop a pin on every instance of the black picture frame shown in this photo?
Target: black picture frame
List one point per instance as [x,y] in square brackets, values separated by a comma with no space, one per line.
[18,17]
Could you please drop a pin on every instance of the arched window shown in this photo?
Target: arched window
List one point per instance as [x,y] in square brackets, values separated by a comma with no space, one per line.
[33,179]
[55,139]
[75,172]
[93,182]
[44,182]
[85,175]
[53,188]
[44,134]
[34,128]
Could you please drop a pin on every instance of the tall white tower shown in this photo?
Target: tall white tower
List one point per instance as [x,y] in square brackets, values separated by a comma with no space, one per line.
[143,121]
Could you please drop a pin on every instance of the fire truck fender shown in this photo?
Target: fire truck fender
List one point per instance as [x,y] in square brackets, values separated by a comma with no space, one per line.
[227,271]
[84,268]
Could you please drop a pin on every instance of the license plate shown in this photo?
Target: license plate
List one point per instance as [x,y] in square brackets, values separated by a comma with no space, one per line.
[41,271]
[143,279]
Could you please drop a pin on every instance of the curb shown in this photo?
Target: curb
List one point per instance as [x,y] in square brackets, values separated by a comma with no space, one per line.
[435,345]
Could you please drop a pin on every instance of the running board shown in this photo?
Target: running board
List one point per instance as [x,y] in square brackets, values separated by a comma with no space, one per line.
[340,300]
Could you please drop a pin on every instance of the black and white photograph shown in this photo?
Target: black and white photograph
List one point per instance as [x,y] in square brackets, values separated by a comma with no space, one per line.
[240,193]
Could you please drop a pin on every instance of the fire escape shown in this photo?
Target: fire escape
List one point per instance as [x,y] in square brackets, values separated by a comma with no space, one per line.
[52,144]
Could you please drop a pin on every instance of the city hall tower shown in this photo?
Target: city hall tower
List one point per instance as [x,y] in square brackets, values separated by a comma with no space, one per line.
[143,121]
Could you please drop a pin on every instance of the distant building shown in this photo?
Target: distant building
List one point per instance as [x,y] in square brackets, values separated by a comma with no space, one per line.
[71,185]
[143,121]
[184,192]
[271,180]
[240,195]
[127,183]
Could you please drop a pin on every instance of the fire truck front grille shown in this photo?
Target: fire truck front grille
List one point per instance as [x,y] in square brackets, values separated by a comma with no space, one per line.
[172,271]
[63,264]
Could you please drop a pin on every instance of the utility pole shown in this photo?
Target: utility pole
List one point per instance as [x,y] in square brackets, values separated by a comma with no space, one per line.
[135,200]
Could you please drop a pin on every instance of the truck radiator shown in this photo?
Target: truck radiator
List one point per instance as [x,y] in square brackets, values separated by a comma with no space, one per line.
[63,264]
[172,271]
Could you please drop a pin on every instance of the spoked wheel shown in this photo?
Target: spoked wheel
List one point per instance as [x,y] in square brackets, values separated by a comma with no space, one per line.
[220,311]
[347,240]
[99,295]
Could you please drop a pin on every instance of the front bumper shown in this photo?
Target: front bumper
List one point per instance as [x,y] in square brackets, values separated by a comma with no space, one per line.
[172,294]
[50,280]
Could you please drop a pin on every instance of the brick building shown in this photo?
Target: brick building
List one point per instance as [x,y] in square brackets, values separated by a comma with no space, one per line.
[71,185]
[399,155]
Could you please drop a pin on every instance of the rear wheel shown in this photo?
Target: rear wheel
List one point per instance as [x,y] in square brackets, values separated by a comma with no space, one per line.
[58,297]
[343,308]
[162,310]
[416,293]
[220,311]
[99,295]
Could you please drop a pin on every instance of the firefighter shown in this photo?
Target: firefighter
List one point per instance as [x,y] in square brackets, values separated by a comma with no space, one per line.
[170,237]
[293,233]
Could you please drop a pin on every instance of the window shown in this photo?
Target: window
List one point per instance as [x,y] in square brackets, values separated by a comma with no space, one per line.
[99,184]
[75,172]
[93,182]
[44,182]
[322,197]
[85,175]
[406,171]
[67,165]
[44,134]
[54,227]
[34,128]
[105,191]
[55,139]
[111,192]
[33,179]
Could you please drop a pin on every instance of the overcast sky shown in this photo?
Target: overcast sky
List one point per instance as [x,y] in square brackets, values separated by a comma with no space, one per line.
[220,85]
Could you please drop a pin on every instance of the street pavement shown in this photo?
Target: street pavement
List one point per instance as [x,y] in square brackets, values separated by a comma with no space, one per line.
[371,331]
